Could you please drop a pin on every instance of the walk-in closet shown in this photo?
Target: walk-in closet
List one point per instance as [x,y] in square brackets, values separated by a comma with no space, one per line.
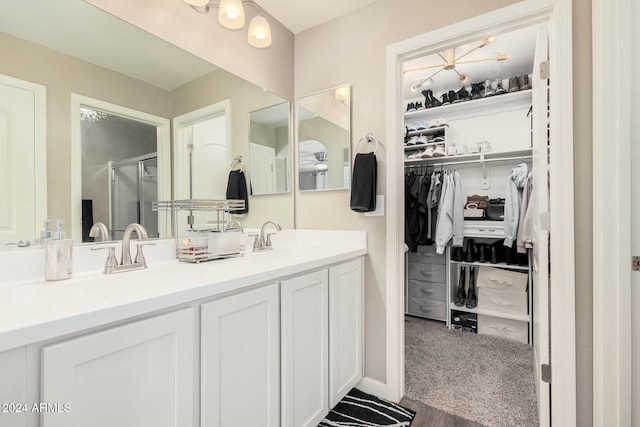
[476,155]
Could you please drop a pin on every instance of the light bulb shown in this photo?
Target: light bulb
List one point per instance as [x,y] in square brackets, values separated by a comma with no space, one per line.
[231,14]
[259,32]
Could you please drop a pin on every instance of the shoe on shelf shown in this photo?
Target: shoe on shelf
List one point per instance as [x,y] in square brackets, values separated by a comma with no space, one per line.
[445,99]
[463,94]
[458,254]
[513,84]
[422,139]
[460,293]
[474,148]
[439,151]
[499,89]
[411,107]
[476,90]
[427,100]
[452,150]
[415,155]
[453,96]
[472,299]
[485,147]
[482,250]
[523,82]
[439,138]
[412,141]
[419,106]
[496,252]
[428,152]
[421,125]
[434,101]
[488,89]
[471,253]
[438,123]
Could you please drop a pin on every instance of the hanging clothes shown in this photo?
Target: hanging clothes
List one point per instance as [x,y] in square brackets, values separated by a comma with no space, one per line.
[513,201]
[525,224]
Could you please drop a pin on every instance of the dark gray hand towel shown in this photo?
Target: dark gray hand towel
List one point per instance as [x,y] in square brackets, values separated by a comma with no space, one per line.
[363,184]
[237,189]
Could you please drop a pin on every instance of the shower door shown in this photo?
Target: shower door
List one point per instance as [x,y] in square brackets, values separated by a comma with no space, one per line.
[133,185]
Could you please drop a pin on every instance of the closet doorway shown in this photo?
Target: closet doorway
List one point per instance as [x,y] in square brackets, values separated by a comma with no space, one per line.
[553,125]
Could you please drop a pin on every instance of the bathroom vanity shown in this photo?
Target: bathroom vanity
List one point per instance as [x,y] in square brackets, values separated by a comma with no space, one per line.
[269,339]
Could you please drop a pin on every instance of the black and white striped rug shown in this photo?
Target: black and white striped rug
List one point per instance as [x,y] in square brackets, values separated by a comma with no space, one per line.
[359,409]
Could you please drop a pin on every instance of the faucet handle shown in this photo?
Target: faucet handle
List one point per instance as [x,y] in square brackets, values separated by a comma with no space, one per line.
[139,254]
[112,262]
[268,242]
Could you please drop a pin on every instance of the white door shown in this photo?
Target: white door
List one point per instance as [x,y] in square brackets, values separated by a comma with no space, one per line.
[263,168]
[137,375]
[240,363]
[346,335]
[304,356]
[540,259]
[20,172]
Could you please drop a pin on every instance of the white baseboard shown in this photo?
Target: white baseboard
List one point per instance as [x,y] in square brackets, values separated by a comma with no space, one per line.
[371,386]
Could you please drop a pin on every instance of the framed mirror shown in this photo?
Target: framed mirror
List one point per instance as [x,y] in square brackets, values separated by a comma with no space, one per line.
[269,149]
[324,140]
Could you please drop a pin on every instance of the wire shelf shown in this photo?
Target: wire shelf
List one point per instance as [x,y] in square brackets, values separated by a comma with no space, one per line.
[199,205]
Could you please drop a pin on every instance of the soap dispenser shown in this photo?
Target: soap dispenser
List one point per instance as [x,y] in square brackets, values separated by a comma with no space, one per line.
[58,256]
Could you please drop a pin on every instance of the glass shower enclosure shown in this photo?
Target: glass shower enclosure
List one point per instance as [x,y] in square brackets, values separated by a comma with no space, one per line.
[133,186]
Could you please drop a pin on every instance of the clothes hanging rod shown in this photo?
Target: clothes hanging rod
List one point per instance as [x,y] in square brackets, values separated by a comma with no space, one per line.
[464,162]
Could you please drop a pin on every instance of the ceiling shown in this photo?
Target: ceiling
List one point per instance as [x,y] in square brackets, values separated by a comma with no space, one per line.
[300,15]
[519,45]
[78,29]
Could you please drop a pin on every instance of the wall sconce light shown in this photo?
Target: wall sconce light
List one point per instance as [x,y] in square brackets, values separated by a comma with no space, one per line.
[231,16]
[342,94]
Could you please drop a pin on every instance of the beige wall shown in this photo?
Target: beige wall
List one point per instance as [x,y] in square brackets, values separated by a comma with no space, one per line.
[64,75]
[583,141]
[200,34]
[245,97]
[352,49]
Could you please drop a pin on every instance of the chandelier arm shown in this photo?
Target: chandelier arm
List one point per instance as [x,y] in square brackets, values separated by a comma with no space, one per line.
[497,58]
[465,54]
[423,68]
[443,58]
[458,73]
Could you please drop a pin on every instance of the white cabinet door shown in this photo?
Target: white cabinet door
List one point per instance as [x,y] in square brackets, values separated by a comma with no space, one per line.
[240,364]
[136,375]
[305,376]
[13,388]
[346,318]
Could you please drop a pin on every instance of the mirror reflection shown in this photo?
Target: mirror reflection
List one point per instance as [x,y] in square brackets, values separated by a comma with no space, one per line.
[324,135]
[136,72]
[269,149]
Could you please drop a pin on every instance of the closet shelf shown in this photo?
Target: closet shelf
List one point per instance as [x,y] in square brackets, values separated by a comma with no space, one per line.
[428,131]
[498,156]
[419,146]
[501,102]
[521,318]
[488,264]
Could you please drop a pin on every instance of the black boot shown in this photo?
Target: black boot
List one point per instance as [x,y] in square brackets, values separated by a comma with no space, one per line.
[472,299]
[453,97]
[445,99]
[427,100]
[460,294]
[457,255]
[471,253]
[484,251]
[496,252]
[476,89]
[434,100]
[463,94]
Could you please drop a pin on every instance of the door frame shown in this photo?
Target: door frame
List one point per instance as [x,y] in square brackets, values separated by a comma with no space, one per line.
[39,145]
[163,150]
[180,159]
[558,14]
[612,339]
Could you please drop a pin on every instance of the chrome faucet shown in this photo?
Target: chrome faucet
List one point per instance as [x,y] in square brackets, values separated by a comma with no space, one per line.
[99,232]
[125,259]
[112,266]
[262,243]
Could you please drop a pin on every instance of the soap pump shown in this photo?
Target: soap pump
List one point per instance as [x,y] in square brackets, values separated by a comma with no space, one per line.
[58,255]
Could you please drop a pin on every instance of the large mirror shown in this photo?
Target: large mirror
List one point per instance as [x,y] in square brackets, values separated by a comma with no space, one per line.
[269,148]
[108,85]
[324,140]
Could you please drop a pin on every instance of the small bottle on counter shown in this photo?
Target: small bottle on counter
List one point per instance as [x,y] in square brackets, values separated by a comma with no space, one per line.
[58,256]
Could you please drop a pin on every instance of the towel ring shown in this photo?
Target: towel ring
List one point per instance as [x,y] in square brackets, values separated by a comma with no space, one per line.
[237,160]
[369,138]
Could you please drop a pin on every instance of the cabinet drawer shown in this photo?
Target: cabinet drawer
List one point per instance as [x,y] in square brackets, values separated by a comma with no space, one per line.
[426,255]
[503,280]
[431,290]
[426,307]
[427,272]
[504,328]
[502,301]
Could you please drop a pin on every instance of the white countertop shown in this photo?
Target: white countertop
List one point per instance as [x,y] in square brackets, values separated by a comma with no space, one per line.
[33,311]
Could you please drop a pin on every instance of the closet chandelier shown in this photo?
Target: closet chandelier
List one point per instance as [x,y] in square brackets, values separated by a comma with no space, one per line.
[450,62]
[231,16]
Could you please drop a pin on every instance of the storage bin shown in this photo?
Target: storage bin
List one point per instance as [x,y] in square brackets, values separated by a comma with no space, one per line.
[502,302]
[427,272]
[426,307]
[504,328]
[431,290]
[504,280]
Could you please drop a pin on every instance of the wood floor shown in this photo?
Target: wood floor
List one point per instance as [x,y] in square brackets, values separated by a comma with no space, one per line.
[426,416]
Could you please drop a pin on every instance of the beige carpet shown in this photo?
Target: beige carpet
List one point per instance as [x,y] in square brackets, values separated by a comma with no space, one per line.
[477,377]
